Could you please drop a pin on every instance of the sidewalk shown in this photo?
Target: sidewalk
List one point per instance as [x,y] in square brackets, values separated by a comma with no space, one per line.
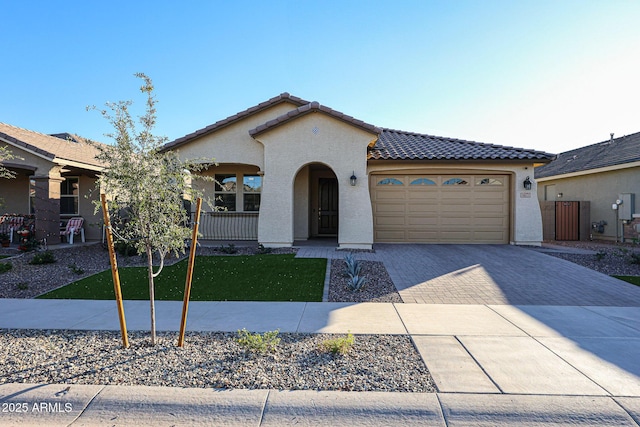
[493,365]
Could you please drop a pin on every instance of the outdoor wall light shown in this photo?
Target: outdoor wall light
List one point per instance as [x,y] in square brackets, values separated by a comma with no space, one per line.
[527,184]
[353,179]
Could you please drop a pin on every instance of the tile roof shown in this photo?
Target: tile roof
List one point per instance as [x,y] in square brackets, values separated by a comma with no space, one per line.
[391,144]
[311,108]
[399,145]
[283,97]
[615,151]
[63,146]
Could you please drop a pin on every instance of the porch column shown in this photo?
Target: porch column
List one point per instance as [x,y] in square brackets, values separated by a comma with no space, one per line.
[47,206]
[275,223]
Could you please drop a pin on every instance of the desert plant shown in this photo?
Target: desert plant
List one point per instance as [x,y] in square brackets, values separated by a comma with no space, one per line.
[356,283]
[600,255]
[229,249]
[125,248]
[352,267]
[150,183]
[258,343]
[262,250]
[634,258]
[340,345]
[45,257]
[74,267]
[5,266]
[23,286]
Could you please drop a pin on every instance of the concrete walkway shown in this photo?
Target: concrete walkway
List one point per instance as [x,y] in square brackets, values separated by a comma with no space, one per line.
[492,364]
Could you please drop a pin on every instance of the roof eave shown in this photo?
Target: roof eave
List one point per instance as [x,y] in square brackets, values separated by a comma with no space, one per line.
[313,107]
[220,124]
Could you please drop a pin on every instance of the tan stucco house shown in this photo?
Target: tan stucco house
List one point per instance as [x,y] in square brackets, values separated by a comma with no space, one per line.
[289,169]
[55,179]
[594,178]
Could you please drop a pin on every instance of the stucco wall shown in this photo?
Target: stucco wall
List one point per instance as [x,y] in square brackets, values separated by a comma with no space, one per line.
[601,189]
[233,144]
[526,219]
[315,138]
[14,195]
[87,195]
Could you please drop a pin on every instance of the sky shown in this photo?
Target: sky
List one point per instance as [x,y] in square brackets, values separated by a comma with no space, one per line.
[550,75]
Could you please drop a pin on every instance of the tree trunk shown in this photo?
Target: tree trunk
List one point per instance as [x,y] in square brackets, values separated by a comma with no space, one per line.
[151,295]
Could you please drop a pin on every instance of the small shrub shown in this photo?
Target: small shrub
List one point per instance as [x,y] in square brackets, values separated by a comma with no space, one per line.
[4,267]
[23,286]
[76,269]
[356,283]
[352,267]
[29,245]
[45,257]
[340,345]
[262,250]
[634,258]
[125,248]
[257,343]
[229,249]
[600,255]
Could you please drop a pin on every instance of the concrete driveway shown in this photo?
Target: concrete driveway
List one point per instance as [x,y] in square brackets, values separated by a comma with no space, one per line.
[498,274]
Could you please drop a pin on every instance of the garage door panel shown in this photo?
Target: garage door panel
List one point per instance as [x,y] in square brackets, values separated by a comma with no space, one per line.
[477,212]
[389,195]
[390,220]
[423,220]
[383,208]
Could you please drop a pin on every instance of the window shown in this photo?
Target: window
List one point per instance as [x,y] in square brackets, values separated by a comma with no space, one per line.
[69,196]
[251,187]
[390,181]
[488,181]
[455,181]
[422,181]
[225,192]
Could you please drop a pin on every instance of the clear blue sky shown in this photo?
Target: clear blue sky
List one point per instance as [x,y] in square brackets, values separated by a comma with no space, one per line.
[545,74]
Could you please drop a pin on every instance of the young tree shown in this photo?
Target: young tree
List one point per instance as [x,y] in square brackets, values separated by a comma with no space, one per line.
[5,154]
[147,187]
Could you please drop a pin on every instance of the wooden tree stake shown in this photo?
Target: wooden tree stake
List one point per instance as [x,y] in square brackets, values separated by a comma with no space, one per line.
[187,285]
[114,272]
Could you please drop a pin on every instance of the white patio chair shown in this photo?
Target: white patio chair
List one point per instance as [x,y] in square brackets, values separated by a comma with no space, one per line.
[73,228]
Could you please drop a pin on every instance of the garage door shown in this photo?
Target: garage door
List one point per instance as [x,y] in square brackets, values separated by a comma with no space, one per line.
[440,208]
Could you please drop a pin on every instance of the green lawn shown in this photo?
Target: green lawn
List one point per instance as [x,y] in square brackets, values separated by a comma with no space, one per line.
[215,278]
[635,280]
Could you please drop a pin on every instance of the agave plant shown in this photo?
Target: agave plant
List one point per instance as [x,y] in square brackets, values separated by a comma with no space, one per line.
[353,267]
[356,282]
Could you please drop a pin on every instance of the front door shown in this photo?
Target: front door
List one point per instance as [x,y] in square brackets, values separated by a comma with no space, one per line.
[328,206]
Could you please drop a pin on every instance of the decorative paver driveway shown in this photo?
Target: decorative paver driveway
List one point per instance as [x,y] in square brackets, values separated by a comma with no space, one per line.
[498,274]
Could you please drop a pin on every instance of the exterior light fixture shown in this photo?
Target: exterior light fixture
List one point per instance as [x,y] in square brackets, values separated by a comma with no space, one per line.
[527,184]
[353,179]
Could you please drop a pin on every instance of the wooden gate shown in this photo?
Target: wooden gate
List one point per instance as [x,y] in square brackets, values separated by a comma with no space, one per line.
[567,220]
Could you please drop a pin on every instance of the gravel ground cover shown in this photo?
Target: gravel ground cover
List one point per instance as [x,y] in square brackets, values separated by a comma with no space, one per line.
[610,258]
[374,363]
[378,288]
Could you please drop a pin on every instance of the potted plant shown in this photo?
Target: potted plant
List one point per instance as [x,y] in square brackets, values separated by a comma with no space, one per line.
[4,240]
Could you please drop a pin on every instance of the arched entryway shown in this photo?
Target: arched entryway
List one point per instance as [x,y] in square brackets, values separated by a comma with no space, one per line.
[316,202]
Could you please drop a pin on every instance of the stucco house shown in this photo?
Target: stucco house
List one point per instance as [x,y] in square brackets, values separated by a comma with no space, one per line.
[55,179]
[289,169]
[593,178]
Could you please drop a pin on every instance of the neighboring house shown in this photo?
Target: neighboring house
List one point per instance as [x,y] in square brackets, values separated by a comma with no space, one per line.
[288,169]
[594,177]
[55,180]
